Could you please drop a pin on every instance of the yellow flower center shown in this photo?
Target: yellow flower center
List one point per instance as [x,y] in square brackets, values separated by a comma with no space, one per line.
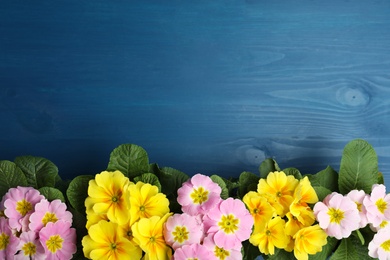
[386,245]
[115,199]
[383,224]
[4,241]
[180,234]
[49,217]
[229,223]
[268,232]
[221,253]
[279,194]
[54,243]
[336,215]
[113,246]
[359,206]
[199,195]
[23,207]
[381,205]
[29,249]
[142,208]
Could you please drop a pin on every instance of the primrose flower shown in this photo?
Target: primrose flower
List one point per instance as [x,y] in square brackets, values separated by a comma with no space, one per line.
[19,203]
[193,251]
[229,223]
[198,195]
[128,233]
[58,240]
[358,197]
[104,242]
[8,242]
[309,240]
[146,201]
[379,247]
[259,208]
[148,233]
[304,194]
[337,215]
[46,211]
[94,218]
[107,194]
[182,229]
[30,247]
[279,189]
[272,236]
[221,253]
[377,205]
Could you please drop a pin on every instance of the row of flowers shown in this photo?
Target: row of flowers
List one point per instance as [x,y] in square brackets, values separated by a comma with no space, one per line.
[137,210]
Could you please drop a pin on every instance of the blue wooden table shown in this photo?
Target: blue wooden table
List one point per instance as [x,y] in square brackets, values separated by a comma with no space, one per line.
[203,86]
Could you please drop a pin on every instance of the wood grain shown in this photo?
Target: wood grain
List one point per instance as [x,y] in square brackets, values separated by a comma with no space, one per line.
[205,86]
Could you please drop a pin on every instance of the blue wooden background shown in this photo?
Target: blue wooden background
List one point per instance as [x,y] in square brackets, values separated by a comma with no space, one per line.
[204,86]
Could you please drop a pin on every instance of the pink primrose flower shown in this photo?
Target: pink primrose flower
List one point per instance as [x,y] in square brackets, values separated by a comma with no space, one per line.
[358,196]
[8,241]
[379,247]
[46,212]
[182,229]
[19,202]
[337,215]
[193,251]
[198,195]
[377,205]
[221,253]
[30,247]
[229,223]
[58,240]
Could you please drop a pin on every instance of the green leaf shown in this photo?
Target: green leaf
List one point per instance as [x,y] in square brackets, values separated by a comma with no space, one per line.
[150,178]
[358,167]
[281,254]
[40,172]
[218,180]
[350,249]
[294,172]
[381,179]
[51,193]
[132,160]
[77,192]
[11,176]
[247,182]
[171,180]
[322,192]
[250,251]
[327,249]
[267,166]
[327,178]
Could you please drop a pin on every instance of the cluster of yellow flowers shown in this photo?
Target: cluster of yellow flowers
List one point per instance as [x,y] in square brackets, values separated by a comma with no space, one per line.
[125,219]
[283,217]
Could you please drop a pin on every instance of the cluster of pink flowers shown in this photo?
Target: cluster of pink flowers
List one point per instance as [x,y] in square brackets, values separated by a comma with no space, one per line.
[209,227]
[339,215]
[31,227]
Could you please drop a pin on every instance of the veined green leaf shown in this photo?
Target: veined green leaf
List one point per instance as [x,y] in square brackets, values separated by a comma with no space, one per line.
[247,182]
[132,160]
[267,166]
[358,167]
[327,178]
[149,178]
[51,193]
[40,172]
[77,192]
[350,249]
[294,172]
[11,176]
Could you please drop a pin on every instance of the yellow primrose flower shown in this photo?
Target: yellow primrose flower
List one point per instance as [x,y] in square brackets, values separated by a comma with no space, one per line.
[304,192]
[105,242]
[309,240]
[146,201]
[125,231]
[93,218]
[293,225]
[259,208]
[279,188]
[107,194]
[272,236]
[148,233]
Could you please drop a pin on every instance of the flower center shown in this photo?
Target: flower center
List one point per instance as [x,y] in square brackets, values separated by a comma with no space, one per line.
[115,199]
[199,195]
[23,207]
[359,206]
[336,215]
[221,253]
[386,245]
[152,239]
[4,241]
[229,223]
[381,205]
[49,217]
[268,232]
[180,234]
[383,224]
[279,194]
[113,246]
[54,243]
[142,208]
[29,249]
